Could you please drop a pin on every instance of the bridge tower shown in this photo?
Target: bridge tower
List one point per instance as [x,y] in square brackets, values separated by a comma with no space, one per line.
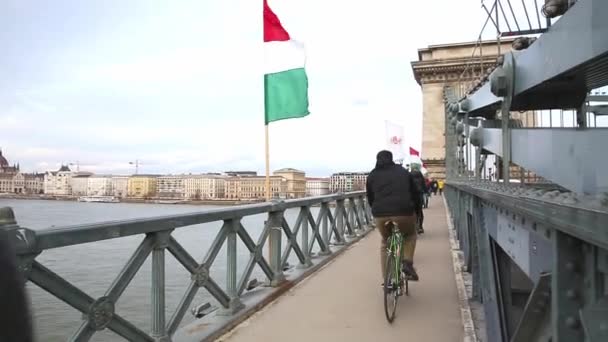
[457,65]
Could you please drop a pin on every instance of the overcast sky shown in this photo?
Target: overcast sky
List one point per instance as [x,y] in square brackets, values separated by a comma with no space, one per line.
[178,84]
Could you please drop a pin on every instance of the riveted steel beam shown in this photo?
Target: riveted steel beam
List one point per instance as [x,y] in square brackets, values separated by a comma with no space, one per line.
[558,69]
[568,157]
[583,218]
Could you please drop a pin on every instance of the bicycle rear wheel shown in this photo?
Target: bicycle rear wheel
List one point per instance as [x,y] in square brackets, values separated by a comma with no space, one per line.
[391,285]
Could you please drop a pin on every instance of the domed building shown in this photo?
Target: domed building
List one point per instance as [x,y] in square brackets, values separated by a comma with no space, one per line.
[7,177]
[3,161]
[5,167]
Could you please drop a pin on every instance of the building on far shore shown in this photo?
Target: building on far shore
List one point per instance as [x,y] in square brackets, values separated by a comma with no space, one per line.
[241,173]
[79,183]
[347,181]
[142,186]
[57,183]
[253,188]
[34,183]
[6,183]
[5,168]
[99,185]
[317,186]
[170,187]
[296,182]
[205,187]
[12,181]
[120,186]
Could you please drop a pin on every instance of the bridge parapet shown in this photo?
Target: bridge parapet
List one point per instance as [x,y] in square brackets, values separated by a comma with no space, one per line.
[538,253]
[341,219]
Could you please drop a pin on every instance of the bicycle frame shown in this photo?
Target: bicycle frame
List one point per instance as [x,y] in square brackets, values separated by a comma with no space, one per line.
[395,250]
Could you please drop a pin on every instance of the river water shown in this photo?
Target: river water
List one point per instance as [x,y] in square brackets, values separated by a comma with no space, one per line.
[93,267]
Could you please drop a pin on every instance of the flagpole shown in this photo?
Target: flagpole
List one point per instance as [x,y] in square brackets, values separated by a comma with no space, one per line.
[268,197]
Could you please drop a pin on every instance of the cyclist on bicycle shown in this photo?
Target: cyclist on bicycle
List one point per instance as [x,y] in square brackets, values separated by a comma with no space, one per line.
[420,183]
[394,196]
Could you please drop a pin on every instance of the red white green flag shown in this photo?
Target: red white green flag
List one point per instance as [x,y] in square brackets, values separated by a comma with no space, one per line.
[285,80]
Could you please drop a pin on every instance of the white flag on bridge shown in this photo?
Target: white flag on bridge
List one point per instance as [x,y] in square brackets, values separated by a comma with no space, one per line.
[395,141]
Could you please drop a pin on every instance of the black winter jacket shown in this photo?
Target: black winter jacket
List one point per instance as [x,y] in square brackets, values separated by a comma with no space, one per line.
[418,180]
[391,191]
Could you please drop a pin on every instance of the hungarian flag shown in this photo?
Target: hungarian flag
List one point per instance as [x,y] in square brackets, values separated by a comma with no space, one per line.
[285,80]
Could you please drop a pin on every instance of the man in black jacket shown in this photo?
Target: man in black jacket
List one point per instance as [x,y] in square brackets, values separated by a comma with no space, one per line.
[394,196]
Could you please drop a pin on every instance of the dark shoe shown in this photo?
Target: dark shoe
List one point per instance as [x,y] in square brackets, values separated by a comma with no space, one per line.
[410,271]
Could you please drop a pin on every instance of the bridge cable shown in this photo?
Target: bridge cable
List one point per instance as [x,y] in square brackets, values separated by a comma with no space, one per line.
[490,15]
[504,15]
[540,26]
[523,2]
[514,17]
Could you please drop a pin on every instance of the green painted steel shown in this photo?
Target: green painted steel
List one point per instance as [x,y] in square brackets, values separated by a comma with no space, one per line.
[333,221]
[508,229]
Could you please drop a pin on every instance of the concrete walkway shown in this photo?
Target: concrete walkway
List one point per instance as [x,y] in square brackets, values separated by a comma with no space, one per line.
[343,301]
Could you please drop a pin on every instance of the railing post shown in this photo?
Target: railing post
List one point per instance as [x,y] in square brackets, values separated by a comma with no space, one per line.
[361,213]
[231,268]
[340,219]
[351,214]
[23,240]
[324,228]
[275,220]
[304,240]
[368,216]
[19,320]
[159,332]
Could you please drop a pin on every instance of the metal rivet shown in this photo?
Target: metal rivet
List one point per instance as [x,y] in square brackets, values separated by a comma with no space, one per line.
[572,322]
[572,294]
[541,303]
[570,266]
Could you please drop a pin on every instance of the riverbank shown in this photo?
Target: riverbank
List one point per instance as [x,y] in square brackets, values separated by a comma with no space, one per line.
[133,200]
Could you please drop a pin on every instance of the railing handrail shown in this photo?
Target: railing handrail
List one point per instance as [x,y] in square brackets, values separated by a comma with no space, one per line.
[84,233]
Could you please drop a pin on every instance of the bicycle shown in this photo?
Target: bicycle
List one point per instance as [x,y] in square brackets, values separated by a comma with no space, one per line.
[395,279]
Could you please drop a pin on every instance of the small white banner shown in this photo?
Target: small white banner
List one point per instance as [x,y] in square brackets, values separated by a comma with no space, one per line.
[395,141]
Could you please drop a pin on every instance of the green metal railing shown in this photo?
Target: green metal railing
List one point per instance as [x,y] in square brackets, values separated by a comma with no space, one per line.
[341,219]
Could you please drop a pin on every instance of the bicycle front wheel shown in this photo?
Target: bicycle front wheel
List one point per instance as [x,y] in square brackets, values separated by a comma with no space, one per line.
[391,285]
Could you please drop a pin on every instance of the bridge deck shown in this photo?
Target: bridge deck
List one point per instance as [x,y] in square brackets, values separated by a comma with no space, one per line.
[343,301]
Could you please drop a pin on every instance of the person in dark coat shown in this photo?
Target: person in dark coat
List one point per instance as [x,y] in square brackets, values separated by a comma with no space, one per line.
[434,186]
[394,196]
[15,319]
[420,183]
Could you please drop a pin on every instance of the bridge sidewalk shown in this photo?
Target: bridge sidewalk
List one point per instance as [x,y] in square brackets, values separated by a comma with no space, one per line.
[343,301]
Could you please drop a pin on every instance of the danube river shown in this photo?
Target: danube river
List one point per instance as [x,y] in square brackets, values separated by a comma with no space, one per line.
[92,267]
